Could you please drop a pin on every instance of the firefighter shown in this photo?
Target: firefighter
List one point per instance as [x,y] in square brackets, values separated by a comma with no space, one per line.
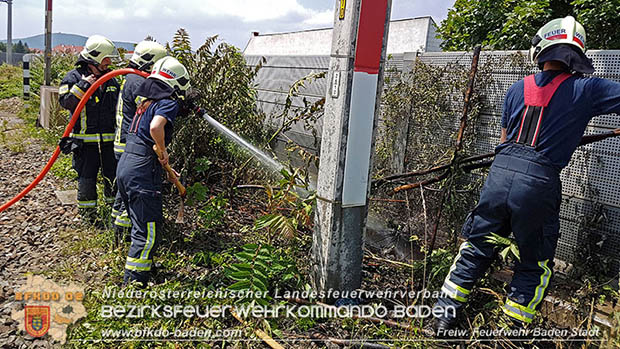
[140,170]
[543,120]
[93,134]
[145,55]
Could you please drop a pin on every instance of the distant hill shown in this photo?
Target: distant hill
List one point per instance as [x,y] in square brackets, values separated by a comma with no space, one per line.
[38,41]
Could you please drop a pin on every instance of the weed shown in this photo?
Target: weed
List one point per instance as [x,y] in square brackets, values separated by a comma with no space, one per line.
[63,168]
[260,268]
[288,212]
[509,246]
[212,212]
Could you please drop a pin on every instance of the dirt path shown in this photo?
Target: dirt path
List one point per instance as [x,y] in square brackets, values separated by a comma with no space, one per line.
[34,231]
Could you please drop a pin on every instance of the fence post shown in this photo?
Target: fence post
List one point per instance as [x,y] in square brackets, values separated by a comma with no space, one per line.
[26,68]
[401,128]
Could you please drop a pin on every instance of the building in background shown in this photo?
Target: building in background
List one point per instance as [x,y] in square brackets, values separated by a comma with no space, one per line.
[405,35]
[295,55]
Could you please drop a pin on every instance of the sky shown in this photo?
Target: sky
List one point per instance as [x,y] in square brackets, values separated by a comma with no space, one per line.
[232,20]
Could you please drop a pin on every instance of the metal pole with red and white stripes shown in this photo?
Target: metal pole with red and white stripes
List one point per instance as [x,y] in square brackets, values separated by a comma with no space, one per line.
[48,42]
[351,108]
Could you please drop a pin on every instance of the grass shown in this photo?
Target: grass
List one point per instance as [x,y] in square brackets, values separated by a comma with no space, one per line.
[63,168]
[13,137]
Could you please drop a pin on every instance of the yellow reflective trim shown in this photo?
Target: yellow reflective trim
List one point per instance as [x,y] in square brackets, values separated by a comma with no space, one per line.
[132,267]
[90,203]
[93,137]
[520,307]
[111,88]
[150,240]
[463,246]
[138,260]
[453,294]
[542,286]
[119,147]
[83,120]
[518,311]
[119,220]
[457,287]
[76,91]
[63,89]
[85,136]
[516,316]
[138,264]
[119,115]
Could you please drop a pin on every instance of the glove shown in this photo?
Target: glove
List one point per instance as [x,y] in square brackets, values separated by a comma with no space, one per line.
[188,104]
[68,145]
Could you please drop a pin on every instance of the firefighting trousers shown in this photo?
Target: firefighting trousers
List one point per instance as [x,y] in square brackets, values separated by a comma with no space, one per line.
[522,195]
[139,179]
[120,217]
[87,161]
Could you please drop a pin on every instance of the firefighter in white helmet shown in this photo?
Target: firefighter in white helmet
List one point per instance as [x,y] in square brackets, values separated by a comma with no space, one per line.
[140,170]
[145,54]
[543,121]
[91,141]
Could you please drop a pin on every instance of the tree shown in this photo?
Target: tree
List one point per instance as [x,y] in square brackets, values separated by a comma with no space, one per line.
[510,24]
[19,48]
[601,19]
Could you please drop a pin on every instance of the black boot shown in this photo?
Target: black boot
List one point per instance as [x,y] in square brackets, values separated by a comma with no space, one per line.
[443,328]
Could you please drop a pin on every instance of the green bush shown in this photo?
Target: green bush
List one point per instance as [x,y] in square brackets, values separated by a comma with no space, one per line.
[224,84]
[10,81]
[62,63]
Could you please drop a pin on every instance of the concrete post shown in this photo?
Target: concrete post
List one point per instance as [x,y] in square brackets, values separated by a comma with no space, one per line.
[9,33]
[349,122]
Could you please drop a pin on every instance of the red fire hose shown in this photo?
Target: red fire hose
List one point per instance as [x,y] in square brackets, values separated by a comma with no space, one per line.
[72,122]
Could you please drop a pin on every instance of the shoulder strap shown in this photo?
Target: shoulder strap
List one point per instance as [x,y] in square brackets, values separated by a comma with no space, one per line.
[541,96]
[536,99]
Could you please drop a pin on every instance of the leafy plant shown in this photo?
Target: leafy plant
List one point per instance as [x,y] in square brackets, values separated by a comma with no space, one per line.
[63,168]
[224,85]
[259,268]
[288,212]
[197,192]
[212,212]
[202,165]
[508,245]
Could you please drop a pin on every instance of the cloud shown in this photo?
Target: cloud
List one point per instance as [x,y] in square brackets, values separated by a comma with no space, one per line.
[320,19]
[233,20]
[133,20]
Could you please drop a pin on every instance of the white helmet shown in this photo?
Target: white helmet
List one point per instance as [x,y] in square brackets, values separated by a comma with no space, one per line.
[97,48]
[147,53]
[172,72]
[558,31]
